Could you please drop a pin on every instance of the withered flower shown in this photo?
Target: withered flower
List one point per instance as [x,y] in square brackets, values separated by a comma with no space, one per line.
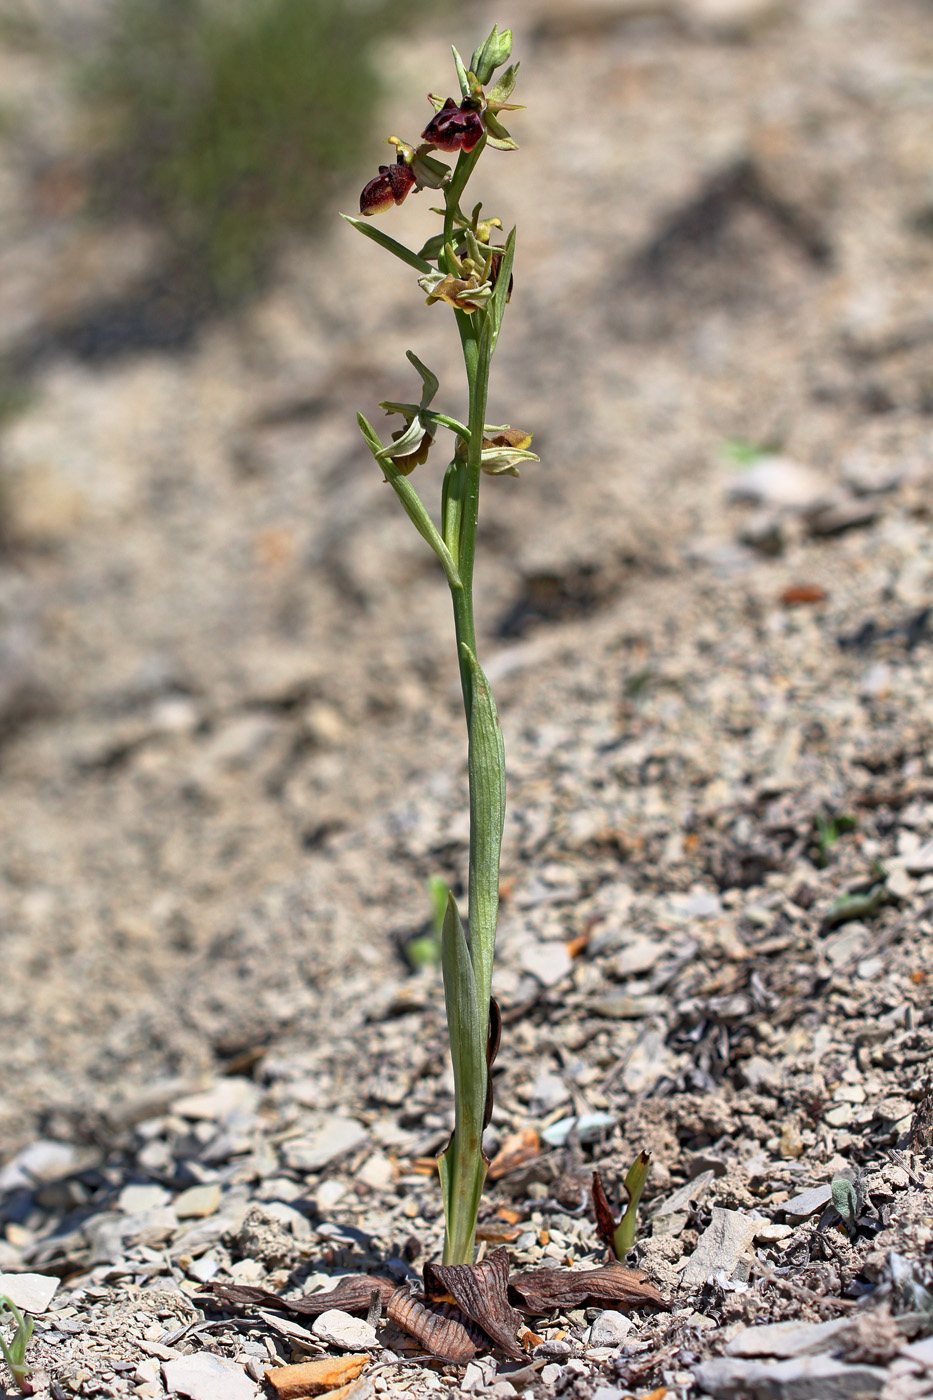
[454,128]
[462,293]
[407,463]
[389,187]
[504,450]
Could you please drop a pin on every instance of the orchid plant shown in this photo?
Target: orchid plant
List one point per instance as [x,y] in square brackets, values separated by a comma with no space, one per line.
[463,267]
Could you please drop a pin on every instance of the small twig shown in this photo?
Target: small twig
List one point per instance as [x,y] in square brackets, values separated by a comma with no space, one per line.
[375,1308]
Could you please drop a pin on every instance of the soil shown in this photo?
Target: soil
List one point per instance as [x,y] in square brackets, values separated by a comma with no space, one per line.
[233,752]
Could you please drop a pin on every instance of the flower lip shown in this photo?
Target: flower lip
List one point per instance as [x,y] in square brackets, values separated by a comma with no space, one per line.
[389,187]
[454,128]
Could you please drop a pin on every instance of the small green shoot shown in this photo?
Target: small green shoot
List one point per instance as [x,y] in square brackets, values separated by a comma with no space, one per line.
[14,1351]
[621,1237]
[743,453]
[828,827]
[425,950]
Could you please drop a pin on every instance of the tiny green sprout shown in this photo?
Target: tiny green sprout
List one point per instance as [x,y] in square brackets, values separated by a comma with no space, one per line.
[461,269]
[828,827]
[425,950]
[14,1351]
[848,1199]
[744,453]
[621,1237]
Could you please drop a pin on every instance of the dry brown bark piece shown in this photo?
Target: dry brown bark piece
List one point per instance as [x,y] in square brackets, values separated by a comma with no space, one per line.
[352,1295]
[314,1377]
[441,1329]
[542,1289]
[482,1292]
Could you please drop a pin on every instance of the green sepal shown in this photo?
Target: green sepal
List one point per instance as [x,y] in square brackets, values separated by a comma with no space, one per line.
[391,245]
[504,86]
[463,77]
[496,134]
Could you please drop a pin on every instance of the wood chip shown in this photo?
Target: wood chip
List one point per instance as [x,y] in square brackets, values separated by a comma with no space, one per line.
[314,1377]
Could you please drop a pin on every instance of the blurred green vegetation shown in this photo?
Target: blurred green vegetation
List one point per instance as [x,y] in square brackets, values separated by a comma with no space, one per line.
[230,121]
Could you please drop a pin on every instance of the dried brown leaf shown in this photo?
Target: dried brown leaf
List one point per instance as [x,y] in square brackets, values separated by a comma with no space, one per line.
[442,1330]
[605,1220]
[481,1291]
[352,1295]
[542,1289]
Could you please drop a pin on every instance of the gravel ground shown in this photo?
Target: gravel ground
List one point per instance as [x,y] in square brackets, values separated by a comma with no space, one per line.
[232,750]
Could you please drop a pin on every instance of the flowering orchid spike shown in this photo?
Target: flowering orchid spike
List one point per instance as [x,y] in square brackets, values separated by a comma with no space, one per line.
[462,266]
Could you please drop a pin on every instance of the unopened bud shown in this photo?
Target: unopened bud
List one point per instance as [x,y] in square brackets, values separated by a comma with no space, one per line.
[492,54]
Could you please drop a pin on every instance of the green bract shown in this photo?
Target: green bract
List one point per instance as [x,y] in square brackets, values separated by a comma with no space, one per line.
[473,276]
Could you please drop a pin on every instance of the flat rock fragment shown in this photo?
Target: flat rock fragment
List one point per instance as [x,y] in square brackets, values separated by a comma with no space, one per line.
[341,1329]
[801,1378]
[198,1201]
[333,1139]
[206,1376]
[610,1329]
[785,1339]
[720,1247]
[809,1202]
[31,1292]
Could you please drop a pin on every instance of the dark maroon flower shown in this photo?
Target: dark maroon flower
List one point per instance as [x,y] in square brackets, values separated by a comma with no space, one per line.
[389,187]
[454,128]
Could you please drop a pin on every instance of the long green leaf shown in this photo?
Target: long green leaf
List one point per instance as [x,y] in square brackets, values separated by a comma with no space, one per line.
[463,1166]
[487,819]
[390,244]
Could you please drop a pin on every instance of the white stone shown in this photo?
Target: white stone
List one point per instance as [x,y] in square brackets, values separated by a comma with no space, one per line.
[206,1376]
[789,1338]
[133,1200]
[720,1247]
[226,1097]
[609,1329]
[328,1194]
[341,1329]
[778,481]
[920,862]
[333,1139]
[31,1292]
[198,1201]
[549,962]
[377,1171]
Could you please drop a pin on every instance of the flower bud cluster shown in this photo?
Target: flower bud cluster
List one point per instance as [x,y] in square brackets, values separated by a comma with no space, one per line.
[455,127]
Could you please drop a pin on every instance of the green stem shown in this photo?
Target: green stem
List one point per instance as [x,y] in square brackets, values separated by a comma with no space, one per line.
[465,1166]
